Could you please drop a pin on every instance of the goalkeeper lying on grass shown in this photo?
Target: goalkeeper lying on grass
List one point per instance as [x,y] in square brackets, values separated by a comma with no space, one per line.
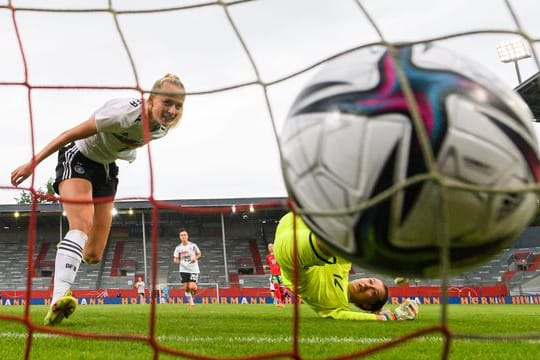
[323,279]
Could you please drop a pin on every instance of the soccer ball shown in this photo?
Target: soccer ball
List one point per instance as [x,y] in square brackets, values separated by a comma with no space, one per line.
[350,136]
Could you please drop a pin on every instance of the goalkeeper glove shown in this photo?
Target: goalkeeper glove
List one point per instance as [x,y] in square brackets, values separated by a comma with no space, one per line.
[406,311]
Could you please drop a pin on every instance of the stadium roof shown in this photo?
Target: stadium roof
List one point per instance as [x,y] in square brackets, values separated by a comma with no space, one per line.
[167,208]
[530,92]
[148,205]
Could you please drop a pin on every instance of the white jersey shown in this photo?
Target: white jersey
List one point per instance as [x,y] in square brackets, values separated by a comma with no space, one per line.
[186,253]
[119,132]
[140,287]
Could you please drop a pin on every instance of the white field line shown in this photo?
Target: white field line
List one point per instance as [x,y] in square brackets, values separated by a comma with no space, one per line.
[280,339]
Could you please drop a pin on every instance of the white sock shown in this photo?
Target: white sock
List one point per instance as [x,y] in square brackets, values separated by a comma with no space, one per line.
[189,296]
[68,260]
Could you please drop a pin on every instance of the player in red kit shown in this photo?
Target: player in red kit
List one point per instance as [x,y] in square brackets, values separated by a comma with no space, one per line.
[275,273]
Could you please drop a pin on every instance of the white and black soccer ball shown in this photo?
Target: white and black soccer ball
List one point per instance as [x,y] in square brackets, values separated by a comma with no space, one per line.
[350,136]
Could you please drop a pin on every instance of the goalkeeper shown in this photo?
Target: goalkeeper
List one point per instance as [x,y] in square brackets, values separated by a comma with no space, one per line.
[323,279]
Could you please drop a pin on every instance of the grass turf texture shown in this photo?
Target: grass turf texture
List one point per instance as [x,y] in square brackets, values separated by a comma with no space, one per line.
[242,330]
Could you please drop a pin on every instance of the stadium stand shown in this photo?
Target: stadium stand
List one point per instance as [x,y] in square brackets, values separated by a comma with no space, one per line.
[13,265]
[530,91]
[244,242]
[213,270]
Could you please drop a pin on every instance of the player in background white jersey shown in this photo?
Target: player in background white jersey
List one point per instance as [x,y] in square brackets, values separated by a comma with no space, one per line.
[141,288]
[187,254]
[86,176]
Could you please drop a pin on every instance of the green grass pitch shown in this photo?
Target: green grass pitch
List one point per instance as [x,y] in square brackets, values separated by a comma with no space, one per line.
[252,330]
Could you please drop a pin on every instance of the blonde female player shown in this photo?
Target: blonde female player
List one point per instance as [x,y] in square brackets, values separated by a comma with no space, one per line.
[86,172]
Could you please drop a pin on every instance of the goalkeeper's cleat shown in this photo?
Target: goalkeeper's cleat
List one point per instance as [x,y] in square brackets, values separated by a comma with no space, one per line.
[62,308]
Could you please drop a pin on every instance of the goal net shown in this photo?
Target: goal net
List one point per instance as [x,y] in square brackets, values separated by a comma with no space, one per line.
[242,62]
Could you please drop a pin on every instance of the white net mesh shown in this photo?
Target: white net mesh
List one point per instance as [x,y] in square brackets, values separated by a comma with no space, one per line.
[242,63]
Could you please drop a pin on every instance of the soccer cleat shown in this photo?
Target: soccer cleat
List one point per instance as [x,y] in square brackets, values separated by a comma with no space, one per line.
[62,308]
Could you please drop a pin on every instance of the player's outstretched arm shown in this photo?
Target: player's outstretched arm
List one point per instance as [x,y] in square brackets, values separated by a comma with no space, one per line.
[81,131]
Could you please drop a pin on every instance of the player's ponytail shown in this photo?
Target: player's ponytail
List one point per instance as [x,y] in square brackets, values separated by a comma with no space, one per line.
[167,78]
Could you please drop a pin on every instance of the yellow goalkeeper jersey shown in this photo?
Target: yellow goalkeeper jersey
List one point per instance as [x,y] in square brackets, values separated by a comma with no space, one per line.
[322,281]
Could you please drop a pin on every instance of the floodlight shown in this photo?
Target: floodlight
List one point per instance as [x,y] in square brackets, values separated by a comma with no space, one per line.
[513,50]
